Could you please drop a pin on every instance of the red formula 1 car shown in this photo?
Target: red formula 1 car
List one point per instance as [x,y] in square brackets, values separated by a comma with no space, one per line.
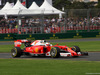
[41,47]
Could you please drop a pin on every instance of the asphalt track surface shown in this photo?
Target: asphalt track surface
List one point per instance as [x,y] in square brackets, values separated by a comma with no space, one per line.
[93,56]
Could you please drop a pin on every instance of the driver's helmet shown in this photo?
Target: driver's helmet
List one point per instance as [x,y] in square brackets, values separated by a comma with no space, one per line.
[42,41]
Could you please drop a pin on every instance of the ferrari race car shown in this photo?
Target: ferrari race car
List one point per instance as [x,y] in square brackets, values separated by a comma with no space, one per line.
[43,48]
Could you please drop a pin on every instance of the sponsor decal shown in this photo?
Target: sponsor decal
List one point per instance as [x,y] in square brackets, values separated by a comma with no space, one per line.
[48,54]
[32,51]
[36,50]
[77,36]
[30,38]
[8,37]
[98,35]
[17,43]
[54,37]
[65,54]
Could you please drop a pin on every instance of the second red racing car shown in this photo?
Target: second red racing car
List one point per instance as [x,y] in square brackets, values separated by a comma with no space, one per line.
[43,48]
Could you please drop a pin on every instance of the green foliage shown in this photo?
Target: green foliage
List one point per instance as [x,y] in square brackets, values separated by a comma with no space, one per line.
[75,5]
[79,5]
[61,3]
[98,6]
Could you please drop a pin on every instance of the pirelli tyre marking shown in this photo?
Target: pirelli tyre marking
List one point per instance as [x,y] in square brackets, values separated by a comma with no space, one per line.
[55,52]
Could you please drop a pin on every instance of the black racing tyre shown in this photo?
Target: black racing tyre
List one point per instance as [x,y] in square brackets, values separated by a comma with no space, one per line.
[76,48]
[55,52]
[16,52]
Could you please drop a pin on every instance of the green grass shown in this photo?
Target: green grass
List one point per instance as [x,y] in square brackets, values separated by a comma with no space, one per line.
[6,48]
[47,67]
[85,46]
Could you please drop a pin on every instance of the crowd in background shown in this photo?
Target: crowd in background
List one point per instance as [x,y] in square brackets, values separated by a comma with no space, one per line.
[8,23]
[79,22]
[54,22]
[49,23]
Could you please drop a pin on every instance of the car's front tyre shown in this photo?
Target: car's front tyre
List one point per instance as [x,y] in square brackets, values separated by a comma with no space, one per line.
[76,49]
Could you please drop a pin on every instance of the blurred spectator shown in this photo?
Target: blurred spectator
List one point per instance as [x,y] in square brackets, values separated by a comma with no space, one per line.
[49,24]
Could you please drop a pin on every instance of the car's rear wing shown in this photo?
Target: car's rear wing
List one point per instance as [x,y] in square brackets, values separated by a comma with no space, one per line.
[18,43]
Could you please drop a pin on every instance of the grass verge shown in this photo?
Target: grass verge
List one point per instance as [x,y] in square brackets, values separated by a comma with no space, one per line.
[47,67]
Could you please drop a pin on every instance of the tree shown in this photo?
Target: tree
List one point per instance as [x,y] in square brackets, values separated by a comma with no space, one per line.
[98,6]
[91,4]
[61,3]
[75,5]
[79,5]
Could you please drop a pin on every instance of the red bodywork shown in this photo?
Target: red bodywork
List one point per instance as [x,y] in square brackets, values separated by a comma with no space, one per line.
[38,49]
[33,49]
[66,48]
[42,49]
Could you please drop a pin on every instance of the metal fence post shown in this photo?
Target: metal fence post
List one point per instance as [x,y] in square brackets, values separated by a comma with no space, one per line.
[65,22]
[19,20]
[18,23]
[42,21]
[88,19]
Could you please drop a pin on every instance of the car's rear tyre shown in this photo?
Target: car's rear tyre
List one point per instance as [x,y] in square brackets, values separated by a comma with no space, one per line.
[16,52]
[55,52]
[76,49]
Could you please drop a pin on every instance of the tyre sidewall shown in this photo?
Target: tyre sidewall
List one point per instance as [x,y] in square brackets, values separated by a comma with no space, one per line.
[17,51]
[57,52]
